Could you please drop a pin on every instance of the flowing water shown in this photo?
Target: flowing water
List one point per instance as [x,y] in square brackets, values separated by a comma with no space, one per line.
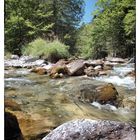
[118,77]
[51,102]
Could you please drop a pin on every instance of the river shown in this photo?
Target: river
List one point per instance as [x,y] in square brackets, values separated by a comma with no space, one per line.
[46,103]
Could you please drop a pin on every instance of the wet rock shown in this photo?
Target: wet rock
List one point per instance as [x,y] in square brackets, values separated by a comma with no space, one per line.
[111,64]
[38,62]
[76,68]
[107,67]
[129,103]
[28,58]
[104,72]
[12,129]
[131,74]
[106,94]
[94,63]
[62,62]
[115,59]
[91,72]
[39,70]
[12,105]
[24,62]
[87,129]
[58,71]
[99,67]
[33,125]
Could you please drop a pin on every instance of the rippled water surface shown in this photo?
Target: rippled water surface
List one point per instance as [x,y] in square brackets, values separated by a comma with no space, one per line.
[50,101]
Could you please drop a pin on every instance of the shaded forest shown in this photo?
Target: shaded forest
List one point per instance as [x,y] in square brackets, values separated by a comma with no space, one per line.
[51,28]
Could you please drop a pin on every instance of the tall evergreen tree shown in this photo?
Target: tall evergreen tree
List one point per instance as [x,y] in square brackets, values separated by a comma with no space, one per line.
[26,20]
[113,29]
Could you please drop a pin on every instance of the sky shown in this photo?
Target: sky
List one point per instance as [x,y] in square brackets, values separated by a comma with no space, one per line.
[89,8]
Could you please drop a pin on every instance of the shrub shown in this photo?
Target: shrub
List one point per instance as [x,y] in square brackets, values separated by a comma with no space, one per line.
[52,51]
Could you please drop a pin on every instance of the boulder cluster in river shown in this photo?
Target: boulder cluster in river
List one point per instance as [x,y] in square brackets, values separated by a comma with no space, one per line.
[77,67]
[65,107]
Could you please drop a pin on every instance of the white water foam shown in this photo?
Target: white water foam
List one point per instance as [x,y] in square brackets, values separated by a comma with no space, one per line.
[112,108]
[17,80]
[122,71]
[106,106]
[128,82]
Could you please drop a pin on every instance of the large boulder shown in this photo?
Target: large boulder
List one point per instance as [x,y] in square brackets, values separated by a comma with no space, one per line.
[12,129]
[106,94]
[86,129]
[91,72]
[76,68]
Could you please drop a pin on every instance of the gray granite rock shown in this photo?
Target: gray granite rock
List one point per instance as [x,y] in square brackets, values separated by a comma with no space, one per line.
[86,129]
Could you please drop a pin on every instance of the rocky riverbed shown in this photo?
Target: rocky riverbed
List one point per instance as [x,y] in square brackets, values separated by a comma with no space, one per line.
[44,96]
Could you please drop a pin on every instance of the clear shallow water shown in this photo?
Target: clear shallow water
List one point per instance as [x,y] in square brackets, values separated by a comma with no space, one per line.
[50,102]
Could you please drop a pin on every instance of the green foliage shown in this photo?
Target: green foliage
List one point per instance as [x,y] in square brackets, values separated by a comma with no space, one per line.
[111,31]
[84,41]
[53,51]
[26,20]
[129,22]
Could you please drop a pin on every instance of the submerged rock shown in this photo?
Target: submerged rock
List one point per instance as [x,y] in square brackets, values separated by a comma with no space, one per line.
[87,129]
[12,129]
